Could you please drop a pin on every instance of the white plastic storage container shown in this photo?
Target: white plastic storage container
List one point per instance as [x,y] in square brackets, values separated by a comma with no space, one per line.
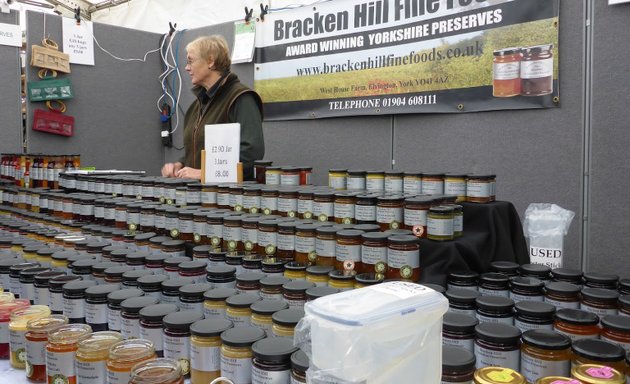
[384,333]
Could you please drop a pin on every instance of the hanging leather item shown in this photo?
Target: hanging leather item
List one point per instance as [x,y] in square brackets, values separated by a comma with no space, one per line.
[49,87]
[48,56]
[53,120]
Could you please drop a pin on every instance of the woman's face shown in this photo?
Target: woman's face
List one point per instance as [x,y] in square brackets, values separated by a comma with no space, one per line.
[198,68]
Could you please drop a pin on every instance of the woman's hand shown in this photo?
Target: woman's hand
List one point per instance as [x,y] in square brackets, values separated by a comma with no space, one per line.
[171,169]
[189,173]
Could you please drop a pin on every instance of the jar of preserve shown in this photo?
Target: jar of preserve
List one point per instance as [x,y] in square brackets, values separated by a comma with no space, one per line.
[325,245]
[249,282]
[545,353]
[271,287]
[269,200]
[177,337]
[113,275]
[344,207]
[74,300]
[458,365]
[214,306]
[403,257]
[267,237]
[262,312]
[375,181]
[96,305]
[130,315]
[124,355]
[113,306]
[440,223]
[205,349]
[171,265]
[196,270]
[455,185]
[497,345]
[238,308]
[348,250]
[526,288]
[576,324]
[533,315]
[494,284]
[305,243]
[232,234]
[27,280]
[624,286]
[92,354]
[170,289]
[216,258]
[323,206]
[593,351]
[573,276]
[272,175]
[337,178]
[251,198]
[342,280]
[616,329]
[272,358]
[415,214]
[174,248]
[373,253]
[235,260]
[599,301]
[624,305]
[130,278]
[495,309]
[259,170]
[480,188]
[191,296]
[597,374]
[355,180]
[299,366]
[562,294]
[598,280]
[458,330]
[284,321]
[42,294]
[288,202]
[506,78]
[151,285]
[498,375]
[157,371]
[536,70]
[61,350]
[317,292]
[294,293]
[56,292]
[6,309]
[236,352]
[221,276]
[365,209]
[390,211]
[463,280]
[305,204]
[318,274]
[209,195]
[36,338]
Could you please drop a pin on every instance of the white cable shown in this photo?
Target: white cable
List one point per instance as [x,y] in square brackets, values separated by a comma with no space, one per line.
[144,59]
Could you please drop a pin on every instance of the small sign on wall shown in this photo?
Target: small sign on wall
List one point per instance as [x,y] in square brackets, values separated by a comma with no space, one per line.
[10,34]
[78,41]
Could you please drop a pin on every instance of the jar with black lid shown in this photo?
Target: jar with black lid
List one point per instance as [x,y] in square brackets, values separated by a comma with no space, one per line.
[151,285]
[147,218]
[236,352]
[317,292]
[84,268]
[495,309]
[96,305]
[539,271]
[305,203]
[355,180]
[271,287]
[576,324]
[42,294]
[497,345]
[232,241]
[294,293]
[600,280]
[27,281]
[267,237]
[118,255]
[221,276]
[74,300]
[174,248]
[262,311]
[14,276]
[136,260]
[272,358]
[567,275]
[177,337]
[191,296]
[214,306]
[114,274]
[562,294]
[249,282]
[253,263]
[299,366]
[288,201]
[55,288]
[201,253]
[284,321]
[533,315]
[526,288]
[458,365]
[155,243]
[494,284]
[544,353]
[209,195]
[194,269]
[599,301]
[238,308]
[130,314]
[463,280]
[251,198]
[323,206]
[170,289]
[216,258]
[113,306]
[269,200]
[462,301]
[403,257]
[365,208]
[5,266]
[593,351]
[155,262]
[171,265]
[624,304]
[616,329]
[96,248]
[389,212]
[458,330]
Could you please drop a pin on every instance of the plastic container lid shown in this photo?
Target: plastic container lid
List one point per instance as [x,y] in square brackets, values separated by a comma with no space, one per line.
[78,286]
[459,322]
[135,304]
[461,295]
[536,309]
[617,323]
[436,287]
[268,307]
[119,296]
[598,350]
[156,312]
[242,336]
[274,349]
[101,291]
[498,333]
[288,317]
[317,292]
[546,339]
[243,300]
[299,361]
[219,294]
[210,327]
[298,286]
[457,360]
[195,289]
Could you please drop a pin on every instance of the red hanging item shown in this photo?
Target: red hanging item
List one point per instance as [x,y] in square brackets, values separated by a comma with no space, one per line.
[53,120]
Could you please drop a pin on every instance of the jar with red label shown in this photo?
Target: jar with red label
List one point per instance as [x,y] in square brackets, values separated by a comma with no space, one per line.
[403,257]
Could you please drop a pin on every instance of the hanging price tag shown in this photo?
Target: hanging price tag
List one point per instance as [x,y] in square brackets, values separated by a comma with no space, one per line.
[222,146]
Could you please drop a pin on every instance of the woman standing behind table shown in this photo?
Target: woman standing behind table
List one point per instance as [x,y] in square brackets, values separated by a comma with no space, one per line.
[221,98]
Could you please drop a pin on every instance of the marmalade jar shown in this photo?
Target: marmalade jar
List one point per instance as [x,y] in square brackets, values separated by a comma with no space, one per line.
[124,355]
[36,339]
[205,349]
[61,350]
[92,354]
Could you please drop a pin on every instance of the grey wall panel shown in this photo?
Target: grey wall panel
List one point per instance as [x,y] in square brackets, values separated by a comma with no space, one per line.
[536,154]
[10,99]
[610,163]
[116,119]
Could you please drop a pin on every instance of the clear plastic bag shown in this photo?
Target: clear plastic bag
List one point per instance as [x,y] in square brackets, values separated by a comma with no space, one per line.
[545,226]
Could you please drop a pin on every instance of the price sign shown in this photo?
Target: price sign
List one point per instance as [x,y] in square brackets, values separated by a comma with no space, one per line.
[222,144]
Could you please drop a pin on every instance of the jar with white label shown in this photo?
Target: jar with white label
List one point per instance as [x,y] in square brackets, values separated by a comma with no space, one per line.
[536,70]
[114,299]
[600,280]
[177,337]
[390,212]
[458,330]
[221,276]
[191,296]
[151,324]
[458,365]
[463,280]
[233,259]
[236,352]
[74,300]
[294,293]
[318,274]
[205,343]
[130,315]
[562,295]
[599,301]
[263,310]
[403,257]
[567,275]
[238,308]
[157,371]
[61,352]
[27,280]
[151,285]
[348,250]
[616,329]
[497,345]
[526,288]
[299,366]
[602,352]
[96,305]
[36,338]
[272,360]
[455,185]
[42,294]
[123,356]
[92,354]
[355,180]
[193,269]
[170,289]
[130,278]
[440,223]
[14,276]
[495,309]
[576,323]
[214,306]
[494,284]
[533,315]
[55,291]
[284,321]
[480,188]
[365,208]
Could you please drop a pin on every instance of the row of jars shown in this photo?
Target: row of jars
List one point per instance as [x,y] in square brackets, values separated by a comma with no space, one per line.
[36,170]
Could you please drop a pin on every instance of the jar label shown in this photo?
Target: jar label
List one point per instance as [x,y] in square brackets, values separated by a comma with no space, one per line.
[129,328]
[524,326]
[260,376]
[325,248]
[286,242]
[270,203]
[494,292]
[251,202]
[239,371]
[114,377]
[295,303]
[455,188]
[601,312]
[344,210]
[287,205]
[15,285]
[398,259]
[509,320]
[95,313]
[393,184]
[355,183]
[348,252]
[468,344]
[375,183]
[622,344]
[67,207]
[271,296]
[170,223]
[265,327]
[160,221]
[91,372]
[28,290]
[228,284]
[4,332]
[186,226]
[412,185]
[506,71]
[113,319]
[534,368]
[535,69]
[197,307]
[489,358]
[214,313]
[193,197]
[18,344]
[365,212]
[304,244]
[178,348]
[478,189]
[56,301]
[73,308]
[249,235]
[563,304]
[322,208]
[206,359]
[267,238]
[223,199]
[518,297]
[87,210]
[199,228]
[305,206]
[458,224]
[415,217]
[232,233]
[215,230]
[60,364]
[432,187]
[239,320]
[439,227]
[120,215]
[36,352]
[208,198]
[387,215]
[373,255]
[154,335]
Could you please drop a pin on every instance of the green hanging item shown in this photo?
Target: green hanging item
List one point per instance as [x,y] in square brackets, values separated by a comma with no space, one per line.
[49,87]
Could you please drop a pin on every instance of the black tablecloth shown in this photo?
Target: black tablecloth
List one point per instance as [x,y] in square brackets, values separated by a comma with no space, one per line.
[492,232]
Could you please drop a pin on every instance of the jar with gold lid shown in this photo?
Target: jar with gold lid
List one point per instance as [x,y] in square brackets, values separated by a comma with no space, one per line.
[498,375]
[597,374]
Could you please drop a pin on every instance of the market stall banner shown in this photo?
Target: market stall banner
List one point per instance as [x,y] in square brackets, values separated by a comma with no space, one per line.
[358,57]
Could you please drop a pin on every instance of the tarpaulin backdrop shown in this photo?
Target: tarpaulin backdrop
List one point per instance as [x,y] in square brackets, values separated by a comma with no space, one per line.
[344,58]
